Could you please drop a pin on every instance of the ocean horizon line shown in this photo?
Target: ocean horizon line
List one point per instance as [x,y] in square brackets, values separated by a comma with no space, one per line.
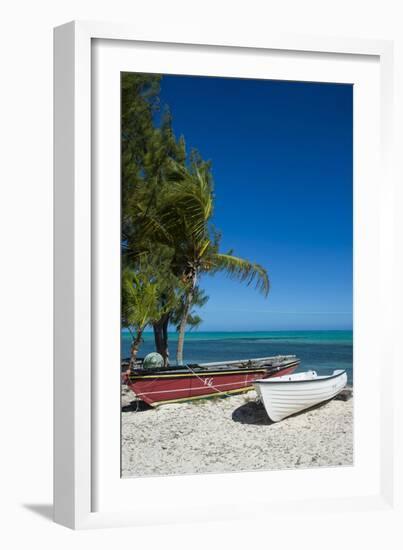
[222,331]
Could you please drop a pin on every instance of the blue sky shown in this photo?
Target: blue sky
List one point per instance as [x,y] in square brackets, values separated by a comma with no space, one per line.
[282,167]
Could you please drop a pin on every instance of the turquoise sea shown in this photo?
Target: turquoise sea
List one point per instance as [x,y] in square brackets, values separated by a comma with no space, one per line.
[323,351]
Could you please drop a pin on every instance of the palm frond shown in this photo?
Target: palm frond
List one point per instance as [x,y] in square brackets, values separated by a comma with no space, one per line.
[139,299]
[187,203]
[242,270]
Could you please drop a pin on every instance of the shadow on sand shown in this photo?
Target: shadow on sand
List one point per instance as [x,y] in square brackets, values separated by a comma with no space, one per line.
[136,406]
[252,413]
[255,413]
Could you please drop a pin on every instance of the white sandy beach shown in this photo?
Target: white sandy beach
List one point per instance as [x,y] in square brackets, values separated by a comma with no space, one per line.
[232,434]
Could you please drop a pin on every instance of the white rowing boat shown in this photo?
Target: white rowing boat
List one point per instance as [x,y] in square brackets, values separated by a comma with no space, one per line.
[283,396]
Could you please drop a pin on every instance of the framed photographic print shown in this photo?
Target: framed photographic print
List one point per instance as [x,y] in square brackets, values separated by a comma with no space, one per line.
[221,266]
[178,210]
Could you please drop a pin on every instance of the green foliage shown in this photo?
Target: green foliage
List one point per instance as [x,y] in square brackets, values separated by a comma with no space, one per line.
[139,103]
[193,320]
[184,223]
[241,270]
[168,239]
[139,300]
[147,295]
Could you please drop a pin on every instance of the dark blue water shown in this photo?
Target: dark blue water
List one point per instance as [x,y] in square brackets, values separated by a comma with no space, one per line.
[322,351]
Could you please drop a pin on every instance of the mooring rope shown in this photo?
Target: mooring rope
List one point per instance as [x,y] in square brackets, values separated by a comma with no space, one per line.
[208,385]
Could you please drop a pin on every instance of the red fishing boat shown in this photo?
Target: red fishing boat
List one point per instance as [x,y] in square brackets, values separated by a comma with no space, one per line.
[157,386]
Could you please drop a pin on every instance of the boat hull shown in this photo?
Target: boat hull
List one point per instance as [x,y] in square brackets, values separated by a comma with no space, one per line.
[160,388]
[285,398]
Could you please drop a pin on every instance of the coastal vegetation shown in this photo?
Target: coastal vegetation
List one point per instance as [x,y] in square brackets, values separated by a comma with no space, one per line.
[168,239]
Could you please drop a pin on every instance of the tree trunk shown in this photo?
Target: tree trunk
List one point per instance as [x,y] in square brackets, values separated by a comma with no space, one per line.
[134,349]
[161,337]
[183,323]
[165,335]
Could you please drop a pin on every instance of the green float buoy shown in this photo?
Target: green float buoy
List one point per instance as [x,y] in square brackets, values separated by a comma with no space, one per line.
[153,361]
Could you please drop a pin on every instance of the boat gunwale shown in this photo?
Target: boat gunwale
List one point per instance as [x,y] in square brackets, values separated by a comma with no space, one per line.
[178,373]
[317,379]
[235,362]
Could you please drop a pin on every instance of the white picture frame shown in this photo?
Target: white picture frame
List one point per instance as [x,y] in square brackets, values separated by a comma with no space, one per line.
[81,426]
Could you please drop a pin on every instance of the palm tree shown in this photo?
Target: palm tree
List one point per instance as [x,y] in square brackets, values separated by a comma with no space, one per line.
[183,222]
[194,320]
[146,155]
[142,304]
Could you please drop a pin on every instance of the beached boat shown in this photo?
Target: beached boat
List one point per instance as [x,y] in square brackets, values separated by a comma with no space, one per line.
[157,386]
[283,396]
